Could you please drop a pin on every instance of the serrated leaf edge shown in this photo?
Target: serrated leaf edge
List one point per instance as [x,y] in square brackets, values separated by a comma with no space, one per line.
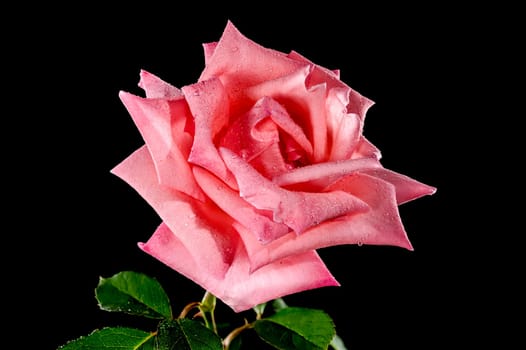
[151,335]
[103,279]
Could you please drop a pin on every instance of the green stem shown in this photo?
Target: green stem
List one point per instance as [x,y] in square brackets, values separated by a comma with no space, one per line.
[207,308]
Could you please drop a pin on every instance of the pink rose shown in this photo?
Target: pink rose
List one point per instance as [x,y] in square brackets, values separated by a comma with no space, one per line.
[254,167]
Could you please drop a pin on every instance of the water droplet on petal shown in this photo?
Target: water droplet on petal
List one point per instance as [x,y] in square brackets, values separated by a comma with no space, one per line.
[244,154]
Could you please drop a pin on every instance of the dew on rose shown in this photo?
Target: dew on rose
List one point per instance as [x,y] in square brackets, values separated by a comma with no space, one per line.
[279,83]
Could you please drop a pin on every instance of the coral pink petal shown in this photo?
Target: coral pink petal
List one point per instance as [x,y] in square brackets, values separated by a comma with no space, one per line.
[240,62]
[208,50]
[239,288]
[303,210]
[158,120]
[407,189]
[229,201]
[345,132]
[155,87]
[253,133]
[203,230]
[270,163]
[381,225]
[365,149]
[282,119]
[321,175]
[208,103]
[357,103]
[305,105]
[298,210]
[243,289]
[344,128]
[166,247]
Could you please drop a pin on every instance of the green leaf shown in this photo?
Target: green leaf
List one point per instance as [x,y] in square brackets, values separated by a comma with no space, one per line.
[118,338]
[297,328]
[133,293]
[186,334]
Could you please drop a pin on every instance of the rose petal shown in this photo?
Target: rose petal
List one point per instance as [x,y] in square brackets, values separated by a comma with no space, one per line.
[229,201]
[344,128]
[240,62]
[155,87]
[407,189]
[162,125]
[298,210]
[208,50]
[356,103]
[381,225]
[290,275]
[251,134]
[365,149]
[317,176]
[239,288]
[208,103]
[345,135]
[280,116]
[306,106]
[165,246]
[196,224]
[270,162]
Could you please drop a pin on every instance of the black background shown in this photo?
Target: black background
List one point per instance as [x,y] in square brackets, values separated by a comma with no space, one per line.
[78,222]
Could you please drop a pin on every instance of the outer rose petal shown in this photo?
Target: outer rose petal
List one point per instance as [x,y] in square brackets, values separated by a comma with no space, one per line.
[318,176]
[208,50]
[240,60]
[344,128]
[162,125]
[208,103]
[157,88]
[379,226]
[239,63]
[356,102]
[239,288]
[203,229]
[352,104]
[345,132]
[298,210]
[365,149]
[407,189]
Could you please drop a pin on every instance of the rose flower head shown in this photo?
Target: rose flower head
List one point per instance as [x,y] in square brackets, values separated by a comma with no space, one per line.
[257,165]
